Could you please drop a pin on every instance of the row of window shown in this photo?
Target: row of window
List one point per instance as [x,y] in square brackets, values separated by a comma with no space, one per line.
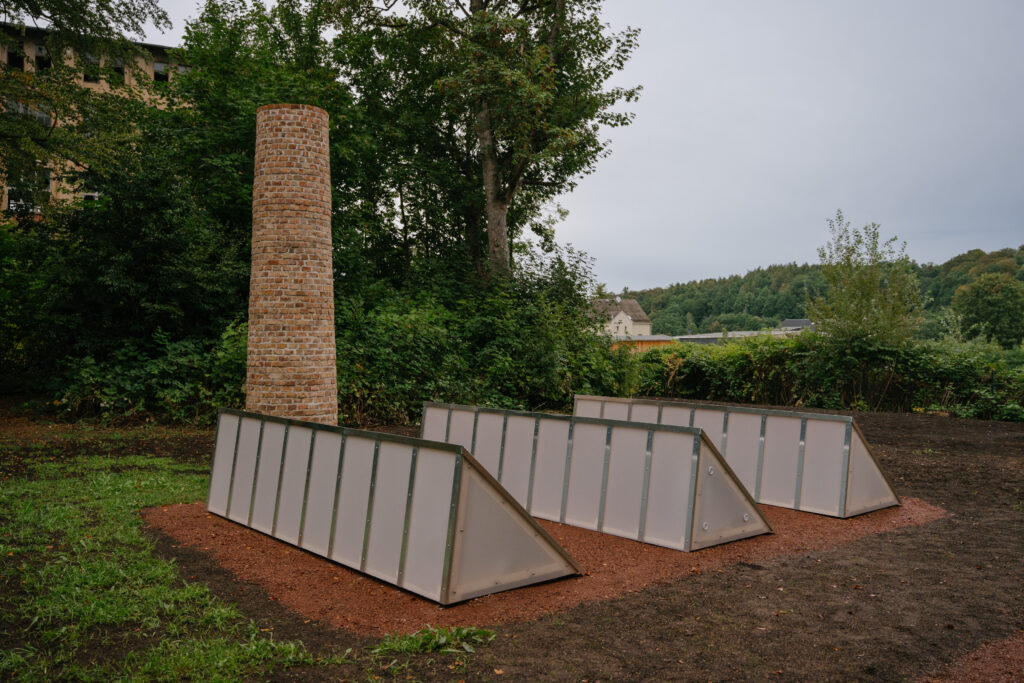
[41,61]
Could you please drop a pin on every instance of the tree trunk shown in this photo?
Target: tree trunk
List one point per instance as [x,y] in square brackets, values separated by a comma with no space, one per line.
[496,206]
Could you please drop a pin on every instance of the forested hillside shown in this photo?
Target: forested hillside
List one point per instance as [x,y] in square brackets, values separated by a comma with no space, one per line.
[765,296]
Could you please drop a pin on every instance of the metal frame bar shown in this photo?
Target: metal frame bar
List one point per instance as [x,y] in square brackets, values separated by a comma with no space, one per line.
[845,477]
[476,422]
[501,449]
[449,545]
[722,406]
[337,495]
[604,478]
[566,472]
[760,458]
[533,466]
[691,518]
[216,437]
[305,489]
[448,425]
[255,475]
[408,517]
[642,528]
[725,432]
[280,478]
[800,464]
[234,461]
[369,506]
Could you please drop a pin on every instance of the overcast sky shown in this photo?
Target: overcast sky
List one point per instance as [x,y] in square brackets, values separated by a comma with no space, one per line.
[760,118]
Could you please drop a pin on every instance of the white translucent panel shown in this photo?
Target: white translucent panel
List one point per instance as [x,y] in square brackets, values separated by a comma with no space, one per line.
[678,416]
[822,478]
[487,450]
[624,490]
[267,474]
[586,406]
[460,428]
[293,483]
[644,412]
[245,469]
[711,422]
[435,423]
[353,499]
[387,516]
[323,478]
[614,410]
[586,470]
[867,488]
[428,523]
[549,470]
[668,499]
[742,446]
[223,463]
[724,511]
[515,461]
[781,456]
[496,545]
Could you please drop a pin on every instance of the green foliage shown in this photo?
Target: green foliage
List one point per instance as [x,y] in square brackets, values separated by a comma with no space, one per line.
[451,639]
[969,379]
[873,294]
[993,305]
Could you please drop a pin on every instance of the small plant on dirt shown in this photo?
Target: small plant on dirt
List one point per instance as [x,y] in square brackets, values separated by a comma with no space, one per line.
[454,639]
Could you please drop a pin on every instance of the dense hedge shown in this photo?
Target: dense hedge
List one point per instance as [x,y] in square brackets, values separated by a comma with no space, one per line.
[968,379]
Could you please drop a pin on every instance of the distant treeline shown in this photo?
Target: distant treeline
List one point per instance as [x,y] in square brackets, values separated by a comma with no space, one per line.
[765,296]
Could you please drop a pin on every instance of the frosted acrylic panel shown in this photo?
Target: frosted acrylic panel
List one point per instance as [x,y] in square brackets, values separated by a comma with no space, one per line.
[644,412]
[669,496]
[515,467]
[867,489]
[823,467]
[271,450]
[460,431]
[495,545]
[585,473]
[323,477]
[625,482]
[781,453]
[388,513]
[293,484]
[428,522]
[587,407]
[435,422]
[742,447]
[711,422]
[356,466]
[549,472]
[723,511]
[220,472]
[488,441]
[245,468]
[678,416]
[613,410]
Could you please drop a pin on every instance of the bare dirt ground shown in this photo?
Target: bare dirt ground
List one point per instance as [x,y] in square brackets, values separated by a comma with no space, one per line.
[920,600]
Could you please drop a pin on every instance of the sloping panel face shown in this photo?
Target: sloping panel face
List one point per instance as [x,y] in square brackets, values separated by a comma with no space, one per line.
[385,505]
[813,462]
[724,510]
[633,480]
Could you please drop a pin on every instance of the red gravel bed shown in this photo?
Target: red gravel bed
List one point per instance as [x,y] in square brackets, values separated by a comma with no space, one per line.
[325,591]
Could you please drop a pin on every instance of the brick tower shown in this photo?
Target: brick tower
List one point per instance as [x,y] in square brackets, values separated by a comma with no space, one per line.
[291,359]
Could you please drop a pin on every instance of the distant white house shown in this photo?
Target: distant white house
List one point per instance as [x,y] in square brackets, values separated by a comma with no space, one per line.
[786,328]
[623,317]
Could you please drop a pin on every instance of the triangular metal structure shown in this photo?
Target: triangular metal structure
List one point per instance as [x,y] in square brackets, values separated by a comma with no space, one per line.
[813,462]
[657,484]
[422,515]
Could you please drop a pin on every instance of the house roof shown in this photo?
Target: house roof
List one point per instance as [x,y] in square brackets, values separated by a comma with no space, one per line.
[631,307]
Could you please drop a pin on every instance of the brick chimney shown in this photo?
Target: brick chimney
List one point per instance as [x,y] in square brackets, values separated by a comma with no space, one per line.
[291,359]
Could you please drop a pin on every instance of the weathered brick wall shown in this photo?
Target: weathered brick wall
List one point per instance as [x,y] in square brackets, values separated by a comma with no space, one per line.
[291,360]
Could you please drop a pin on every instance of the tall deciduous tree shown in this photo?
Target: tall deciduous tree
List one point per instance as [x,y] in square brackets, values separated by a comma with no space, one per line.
[518,88]
[873,294]
[994,306]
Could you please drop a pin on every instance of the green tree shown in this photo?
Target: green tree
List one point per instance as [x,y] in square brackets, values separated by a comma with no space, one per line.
[993,305]
[873,295]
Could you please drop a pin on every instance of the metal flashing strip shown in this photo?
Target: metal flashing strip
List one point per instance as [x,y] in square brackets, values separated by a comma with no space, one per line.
[280,477]
[533,466]
[800,464]
[760,459]
[604,479]
[337,495]
[501,449]
[449,544]
[408,516]
[255,475]
[720,406]
[691,518]
[305,489]
[647,486]
[234,460]
[845,483]
[369,506]
[566,471]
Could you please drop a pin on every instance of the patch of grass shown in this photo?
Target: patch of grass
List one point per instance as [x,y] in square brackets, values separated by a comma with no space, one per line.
[83,596]
[454,639]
